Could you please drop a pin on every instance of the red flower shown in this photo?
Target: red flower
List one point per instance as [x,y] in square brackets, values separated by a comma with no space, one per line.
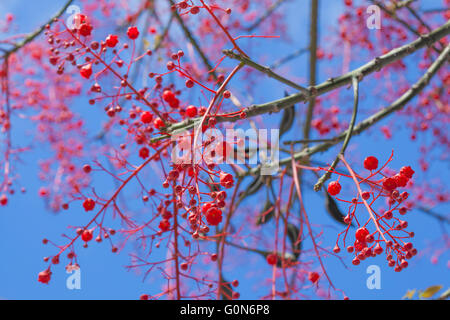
[45,276]
[214,216]
[313,277]
[112,40]
[164,225]
[407,172]
[226,180]
[85,29]
[86,71]
[401,180]
[88,204]
[389,184]
[144,153]
[133,33]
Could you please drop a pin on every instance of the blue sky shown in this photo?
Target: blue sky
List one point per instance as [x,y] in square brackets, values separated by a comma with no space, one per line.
[26,220]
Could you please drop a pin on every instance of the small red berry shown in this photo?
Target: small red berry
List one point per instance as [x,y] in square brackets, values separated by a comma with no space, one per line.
[334,188]
[158,123]
[371,163]
[86,236]
[272,259]
[195,10]
[365,195]
[388,214]
[313,277]
[86,71]
[226,180]
[3,200]
[361,234]
[408,246]
[184,266]
[168,96]
[146,117]
[226,94]
[87,168]
[191,111]
[189,83]
[144,297]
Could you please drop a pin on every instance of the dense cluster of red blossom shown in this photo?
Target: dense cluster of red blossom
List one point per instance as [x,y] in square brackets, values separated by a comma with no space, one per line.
[190,208]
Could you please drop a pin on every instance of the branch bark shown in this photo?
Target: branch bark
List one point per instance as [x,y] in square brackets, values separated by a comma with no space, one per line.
[370,121]
[329,85]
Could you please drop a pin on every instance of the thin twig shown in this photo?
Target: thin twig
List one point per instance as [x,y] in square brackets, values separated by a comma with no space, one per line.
[265,15]
[404,23]
[266,70]
[435,215]
[288,58]
[313,40]
[37,32]
[305,216]
[289,142]
[193,41]
[418,18]
[327,174]
[369,209]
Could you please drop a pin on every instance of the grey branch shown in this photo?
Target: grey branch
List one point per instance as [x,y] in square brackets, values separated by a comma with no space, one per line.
[370,121]
[329,85]
[266,70]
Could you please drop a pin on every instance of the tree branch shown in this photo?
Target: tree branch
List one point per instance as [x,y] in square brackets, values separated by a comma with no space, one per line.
[36,33]
[313,39]
[370,121]
[266,70]
[265,15]
[329,85]
[405,24]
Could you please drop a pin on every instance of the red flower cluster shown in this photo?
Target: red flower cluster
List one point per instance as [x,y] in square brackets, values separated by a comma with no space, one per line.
[369,244]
